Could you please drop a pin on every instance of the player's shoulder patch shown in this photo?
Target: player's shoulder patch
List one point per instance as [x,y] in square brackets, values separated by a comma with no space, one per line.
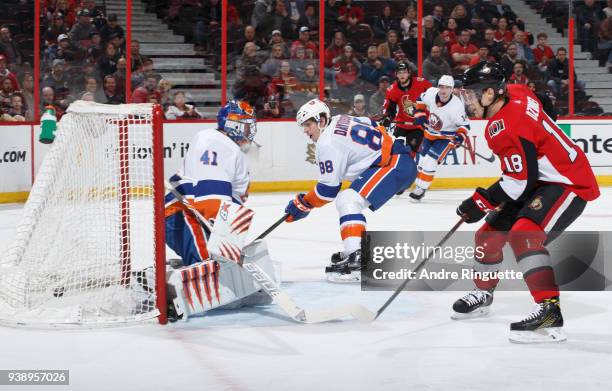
[495,128]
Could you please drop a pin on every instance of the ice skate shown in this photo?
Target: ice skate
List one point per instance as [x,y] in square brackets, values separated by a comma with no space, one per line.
[544,324]
[475,304]
[417,194]
[346,269]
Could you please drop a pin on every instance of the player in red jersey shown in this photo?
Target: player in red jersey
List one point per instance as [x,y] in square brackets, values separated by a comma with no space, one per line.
[545,184]
[399,105]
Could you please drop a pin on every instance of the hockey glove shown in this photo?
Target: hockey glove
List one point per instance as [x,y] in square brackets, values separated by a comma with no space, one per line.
[421,118]
[386,122]
[298,208]
[459,137]
[476,207]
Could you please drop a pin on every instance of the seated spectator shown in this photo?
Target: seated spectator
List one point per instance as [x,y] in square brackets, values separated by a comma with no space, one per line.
[558,74]
[67,9]
[459,13]
[524,52]
[251,86]
[375,66]
[272,108]
[437,17]
[249,58]
[391,48]
[113,96]
[300,60]
[107,63]
[5,73]
[272,64]
[96,14]
[410,46]
[48,99]
[335,49]
[284,84]
[9,48]
[261,12]
[542,53]
[350,14]
[94,50]
[57,79]
[6,91]
[309,82]
[310,18]
[495,48]
[305,41]
[385,22]
[137,58]
[91,86]
[483,55]
[79,34]
[359,107]
[604,44]
[296,11]
[378,98]
[431,34]
[277,39]
[503,33]
[27,83]
[332,14]
[278,20]
[588,17]
[518,76]
[462,52]
[18,109]
[142,92]
[65,50]
[56,28]
[409,19]
[120,73]
[250,36]
[435,66]
[449,35]
[181,110]
[347,68]
[498,10]
[546,101]
[112,28]
[509,59]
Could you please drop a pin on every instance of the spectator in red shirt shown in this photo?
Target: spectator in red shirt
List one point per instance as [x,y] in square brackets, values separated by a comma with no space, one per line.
[503,33]
[483,55]
[5,73]
[347,69]
[542,52]
[141,94]
[335,49]
[463,51]
[351,14]
[450,34]
[304,40]
[518,76]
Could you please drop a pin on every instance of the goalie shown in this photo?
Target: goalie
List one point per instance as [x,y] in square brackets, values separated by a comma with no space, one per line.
[213,181]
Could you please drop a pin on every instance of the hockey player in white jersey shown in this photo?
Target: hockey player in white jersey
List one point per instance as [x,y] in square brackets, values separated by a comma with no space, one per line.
[443,117]
[353,149]
[215,169]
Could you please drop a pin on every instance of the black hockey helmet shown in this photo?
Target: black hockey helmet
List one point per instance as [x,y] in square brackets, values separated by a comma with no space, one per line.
[403,66]
[485,74]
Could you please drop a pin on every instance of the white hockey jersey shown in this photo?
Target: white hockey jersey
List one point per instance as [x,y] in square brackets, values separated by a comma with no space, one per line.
[213,168]
[444,118]
[347,147]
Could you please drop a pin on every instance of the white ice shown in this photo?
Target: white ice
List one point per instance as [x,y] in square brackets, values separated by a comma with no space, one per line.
[413,346]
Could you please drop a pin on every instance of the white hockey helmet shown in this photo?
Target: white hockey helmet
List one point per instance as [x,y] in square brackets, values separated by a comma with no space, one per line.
[446,80]
[312,109]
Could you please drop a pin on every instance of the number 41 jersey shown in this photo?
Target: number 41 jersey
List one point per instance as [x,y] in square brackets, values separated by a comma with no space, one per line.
[532,149]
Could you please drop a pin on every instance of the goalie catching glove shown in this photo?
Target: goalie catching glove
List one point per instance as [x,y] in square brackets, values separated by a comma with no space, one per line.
[298,208]
[476,207]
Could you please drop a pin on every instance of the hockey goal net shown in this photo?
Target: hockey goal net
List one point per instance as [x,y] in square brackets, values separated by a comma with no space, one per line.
[90,250]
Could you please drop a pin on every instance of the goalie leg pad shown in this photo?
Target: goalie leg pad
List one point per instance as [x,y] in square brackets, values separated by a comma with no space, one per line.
[217,283]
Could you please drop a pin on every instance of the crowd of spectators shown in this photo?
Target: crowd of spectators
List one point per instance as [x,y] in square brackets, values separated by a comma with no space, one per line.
[16,59]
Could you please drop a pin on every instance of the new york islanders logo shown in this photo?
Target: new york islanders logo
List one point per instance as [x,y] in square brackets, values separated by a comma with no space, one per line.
[496,127]
[435,122]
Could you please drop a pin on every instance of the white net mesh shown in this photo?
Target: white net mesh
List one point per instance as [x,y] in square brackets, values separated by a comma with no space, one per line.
[84,251]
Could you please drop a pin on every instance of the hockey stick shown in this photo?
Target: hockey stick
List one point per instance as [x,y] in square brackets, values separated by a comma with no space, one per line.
[272,228]
[416,269]
[268,285]
[470,150]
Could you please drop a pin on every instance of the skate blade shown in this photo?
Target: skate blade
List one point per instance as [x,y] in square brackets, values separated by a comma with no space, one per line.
[545,335]
[340,278]
[478,313]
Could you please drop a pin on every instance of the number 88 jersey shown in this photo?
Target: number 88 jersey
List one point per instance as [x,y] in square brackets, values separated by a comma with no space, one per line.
[533,149]
[347,147]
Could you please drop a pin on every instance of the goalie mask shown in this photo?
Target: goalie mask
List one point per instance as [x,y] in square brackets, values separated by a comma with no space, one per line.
[237,119]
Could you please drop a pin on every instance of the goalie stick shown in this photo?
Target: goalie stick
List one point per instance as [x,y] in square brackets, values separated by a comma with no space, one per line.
[268,285]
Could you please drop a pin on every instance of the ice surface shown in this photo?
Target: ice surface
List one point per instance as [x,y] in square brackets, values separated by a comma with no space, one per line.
[413,346]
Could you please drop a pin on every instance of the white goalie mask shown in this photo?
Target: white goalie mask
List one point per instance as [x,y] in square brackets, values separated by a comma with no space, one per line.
[312,109]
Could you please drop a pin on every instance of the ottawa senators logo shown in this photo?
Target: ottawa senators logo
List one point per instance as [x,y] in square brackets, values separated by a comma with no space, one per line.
[408,105]
[496,127]
[536,203]
[435,122]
